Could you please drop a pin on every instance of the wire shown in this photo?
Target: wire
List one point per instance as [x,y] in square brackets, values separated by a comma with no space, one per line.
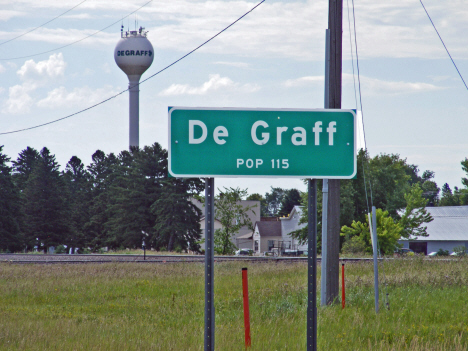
[366,161]
[430,19]
[64,46]
[155,74]
[360,99]
[42,25]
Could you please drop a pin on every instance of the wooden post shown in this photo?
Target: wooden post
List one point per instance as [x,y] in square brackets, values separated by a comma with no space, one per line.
[335,24]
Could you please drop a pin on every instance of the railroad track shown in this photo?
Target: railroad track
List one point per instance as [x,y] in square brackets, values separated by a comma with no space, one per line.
[108,258]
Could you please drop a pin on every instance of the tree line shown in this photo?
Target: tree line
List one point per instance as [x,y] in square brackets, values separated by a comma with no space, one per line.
[113,202]
[400,195]
[117,200]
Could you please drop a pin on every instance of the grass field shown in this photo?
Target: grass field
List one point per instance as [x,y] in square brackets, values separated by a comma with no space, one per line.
[160,307]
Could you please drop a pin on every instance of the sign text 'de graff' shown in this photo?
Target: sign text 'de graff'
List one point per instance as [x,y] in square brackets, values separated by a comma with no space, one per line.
[260,133]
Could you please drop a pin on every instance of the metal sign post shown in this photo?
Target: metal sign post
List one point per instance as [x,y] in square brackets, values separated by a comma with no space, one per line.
[374,250]
[312,267]
[289,143]
[209,266]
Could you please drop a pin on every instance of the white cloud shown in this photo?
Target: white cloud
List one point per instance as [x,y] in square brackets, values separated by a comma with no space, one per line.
[373,86]
[2,68]
[370,86]
[61,36]
[79,16]
[5,15]
[299,82]
[19,101]
[85,96]
[286,29]
[216,82]
[34,75]
[233,64]
[49,69]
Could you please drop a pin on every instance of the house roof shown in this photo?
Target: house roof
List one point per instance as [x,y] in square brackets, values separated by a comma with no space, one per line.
[245,236]
[268,228]
[450,224]
[296,209]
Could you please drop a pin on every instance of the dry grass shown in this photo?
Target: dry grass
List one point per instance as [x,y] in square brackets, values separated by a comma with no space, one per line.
[160,307]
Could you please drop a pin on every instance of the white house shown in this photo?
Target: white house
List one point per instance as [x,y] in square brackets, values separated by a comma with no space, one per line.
[290,224]
[267,236]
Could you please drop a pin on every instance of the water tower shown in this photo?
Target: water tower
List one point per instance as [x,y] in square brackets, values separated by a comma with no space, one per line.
[134,54]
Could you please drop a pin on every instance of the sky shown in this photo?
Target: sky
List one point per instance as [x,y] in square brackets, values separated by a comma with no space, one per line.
[413,101]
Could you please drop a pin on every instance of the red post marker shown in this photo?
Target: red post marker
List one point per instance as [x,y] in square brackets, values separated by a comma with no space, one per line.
[245,290]
[343,295]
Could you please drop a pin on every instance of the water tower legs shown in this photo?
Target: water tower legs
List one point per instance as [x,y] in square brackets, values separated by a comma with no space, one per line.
[134,113]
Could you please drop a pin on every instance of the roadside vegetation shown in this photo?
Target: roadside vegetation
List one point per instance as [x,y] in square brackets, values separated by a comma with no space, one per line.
[161,307]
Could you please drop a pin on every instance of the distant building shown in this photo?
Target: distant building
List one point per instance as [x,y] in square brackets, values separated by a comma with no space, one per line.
[267,237]
[448,230]
[239,239]
[290,224]
[273,235]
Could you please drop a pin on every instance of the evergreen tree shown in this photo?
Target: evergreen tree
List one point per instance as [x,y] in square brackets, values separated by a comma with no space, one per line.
[273,200]
[138,181]
[77,180]
[415,214]
[447,198]
[101,171]
[10,235]
[45,205]
[291,198]
[464,164]
[23,166]
[177,224]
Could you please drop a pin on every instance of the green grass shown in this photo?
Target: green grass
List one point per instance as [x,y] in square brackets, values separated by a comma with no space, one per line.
[160,307]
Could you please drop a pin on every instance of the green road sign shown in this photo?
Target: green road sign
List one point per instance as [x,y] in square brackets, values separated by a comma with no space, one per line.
[294,143]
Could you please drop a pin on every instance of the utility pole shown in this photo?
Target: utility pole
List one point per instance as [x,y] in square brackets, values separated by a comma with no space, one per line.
[335,26]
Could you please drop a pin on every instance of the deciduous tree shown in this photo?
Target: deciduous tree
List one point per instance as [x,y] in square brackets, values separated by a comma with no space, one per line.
[232,215]
[415,214]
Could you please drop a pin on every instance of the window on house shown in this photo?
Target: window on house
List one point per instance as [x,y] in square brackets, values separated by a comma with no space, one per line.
[256,245]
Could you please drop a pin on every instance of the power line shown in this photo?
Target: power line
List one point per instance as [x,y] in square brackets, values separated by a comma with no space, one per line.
[430,19]
[64,46]
[42,25]
[366,160]
[155,74]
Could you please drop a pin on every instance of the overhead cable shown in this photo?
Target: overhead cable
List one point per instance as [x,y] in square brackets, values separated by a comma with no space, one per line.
[430,19]
[155,74]
[42,25]
[77,41]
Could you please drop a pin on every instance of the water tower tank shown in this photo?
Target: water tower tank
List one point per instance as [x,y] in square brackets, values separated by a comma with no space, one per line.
[134,54]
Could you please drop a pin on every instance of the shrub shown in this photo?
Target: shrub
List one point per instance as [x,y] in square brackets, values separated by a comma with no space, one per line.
[460,250]
[442,252]
[354,245]
[61,249]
